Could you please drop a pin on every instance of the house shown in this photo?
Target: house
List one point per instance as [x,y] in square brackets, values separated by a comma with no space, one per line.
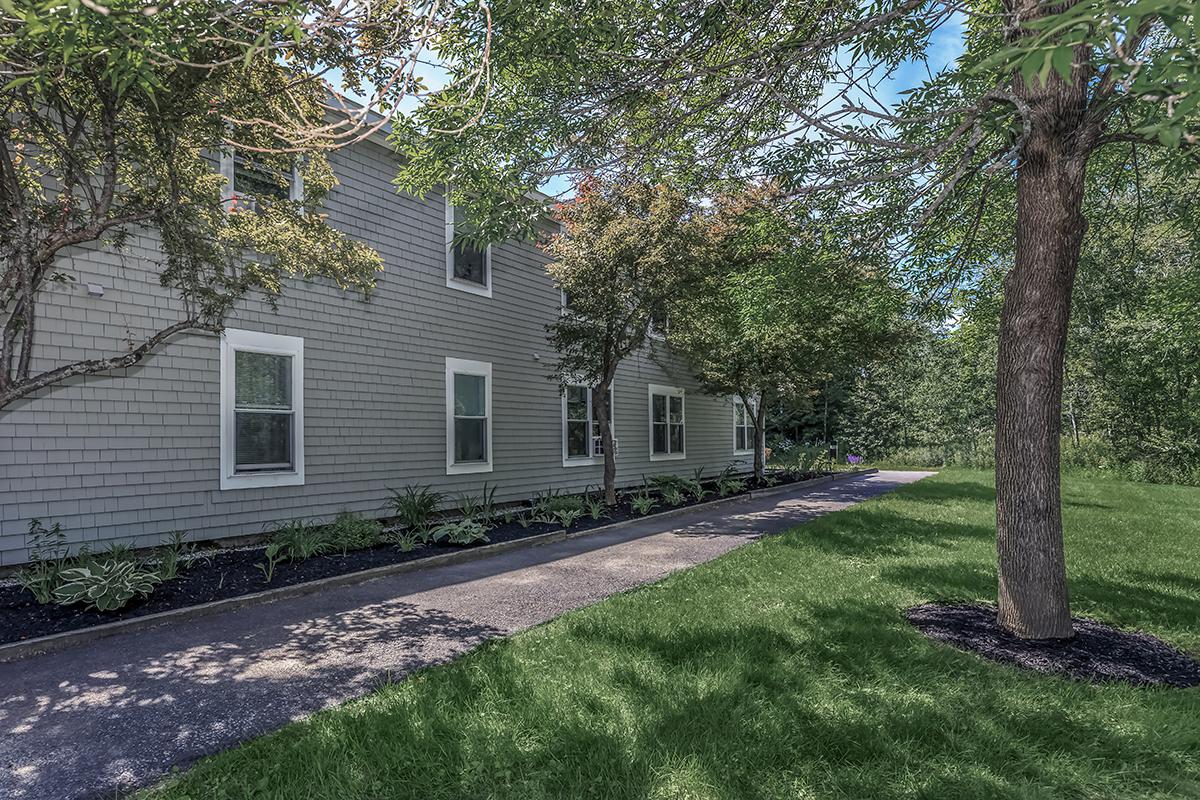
[440,378]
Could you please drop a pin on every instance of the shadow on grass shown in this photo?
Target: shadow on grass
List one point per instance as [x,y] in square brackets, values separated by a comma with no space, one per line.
[882,532]
[865,709]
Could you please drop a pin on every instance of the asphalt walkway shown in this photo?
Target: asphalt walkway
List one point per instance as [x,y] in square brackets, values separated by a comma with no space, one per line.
[120,712]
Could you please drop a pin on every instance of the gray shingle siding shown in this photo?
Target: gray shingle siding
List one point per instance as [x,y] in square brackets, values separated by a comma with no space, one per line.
[133,455]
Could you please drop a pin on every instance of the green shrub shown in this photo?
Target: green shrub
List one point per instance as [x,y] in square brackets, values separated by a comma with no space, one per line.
[481,506]
[47,559]
[546,506]
[568,516]
[460,532]
[728,484]
[415,506]
[296,540]
[672,495]
[353,532]
[643,503]
[105,584]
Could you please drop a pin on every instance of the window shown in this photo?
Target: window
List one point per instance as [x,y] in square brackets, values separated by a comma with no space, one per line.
[581,427]
[743,428]
[251,185]
[262,410]
[660,325]
[467,267]
[666,423]
[468,416]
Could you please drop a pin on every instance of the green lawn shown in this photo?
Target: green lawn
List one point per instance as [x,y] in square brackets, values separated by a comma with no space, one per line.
[785,670]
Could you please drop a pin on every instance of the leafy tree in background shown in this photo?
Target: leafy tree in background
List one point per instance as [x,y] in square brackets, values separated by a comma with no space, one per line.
[626,252]
[779,305]
[706,91]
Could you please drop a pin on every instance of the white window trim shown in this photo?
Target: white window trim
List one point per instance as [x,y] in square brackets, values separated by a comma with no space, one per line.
[295,188]
[583,461]
[749,451]
[232,341]
[461,366]
[455,283]
[652,390]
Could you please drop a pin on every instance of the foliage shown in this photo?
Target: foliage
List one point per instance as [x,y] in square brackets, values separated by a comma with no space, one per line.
[48,557]
[460,532]
[784,301]
[296,540]
[174,553]
[568,516]
[481,506]
[675,489]
[351,531]
[415,506]
[728,483]
[643,502]
[626,254]
[105,583]
[275,553]
[596,509]
[407,541]
[546,506]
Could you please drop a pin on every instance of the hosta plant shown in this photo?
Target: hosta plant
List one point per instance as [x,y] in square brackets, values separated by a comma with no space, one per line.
[105,585]
[460,532]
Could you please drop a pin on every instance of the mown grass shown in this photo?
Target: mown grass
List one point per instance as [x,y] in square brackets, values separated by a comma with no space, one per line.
[785,670]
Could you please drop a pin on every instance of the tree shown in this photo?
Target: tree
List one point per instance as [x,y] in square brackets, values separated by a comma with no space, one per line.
[625,252]
[795,91]
[779,305]
[115,114]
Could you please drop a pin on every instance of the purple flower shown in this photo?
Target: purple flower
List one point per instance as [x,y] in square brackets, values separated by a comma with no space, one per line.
[853,460]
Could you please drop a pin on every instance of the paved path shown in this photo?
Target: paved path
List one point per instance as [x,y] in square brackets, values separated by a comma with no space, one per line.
[120,712]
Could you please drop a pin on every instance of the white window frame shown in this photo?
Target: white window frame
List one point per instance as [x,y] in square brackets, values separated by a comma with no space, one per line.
[233,341]
[749,426]
[460,366]
[669,391]
[483,290]
[592,457]
[659,334]
[295,187]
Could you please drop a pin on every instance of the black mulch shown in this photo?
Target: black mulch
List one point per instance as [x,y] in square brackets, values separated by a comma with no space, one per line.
[223,574]
[1098,653]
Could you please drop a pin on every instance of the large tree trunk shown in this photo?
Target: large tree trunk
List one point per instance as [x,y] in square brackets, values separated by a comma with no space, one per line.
[759,418]
[600,398]
[1033,330]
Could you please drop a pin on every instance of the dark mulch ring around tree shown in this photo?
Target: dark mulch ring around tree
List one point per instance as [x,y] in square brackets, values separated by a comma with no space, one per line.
[218,574]
[1098,653]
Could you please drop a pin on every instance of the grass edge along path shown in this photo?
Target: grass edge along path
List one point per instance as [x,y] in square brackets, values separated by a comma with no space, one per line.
[785,669]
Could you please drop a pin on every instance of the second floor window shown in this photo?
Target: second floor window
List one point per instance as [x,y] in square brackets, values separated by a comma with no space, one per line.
[252,184]
[468,267]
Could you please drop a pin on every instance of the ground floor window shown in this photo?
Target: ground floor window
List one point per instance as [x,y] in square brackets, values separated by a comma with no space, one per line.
[667,439]
[468,416]
[262,410]
[743,428]
[581,426]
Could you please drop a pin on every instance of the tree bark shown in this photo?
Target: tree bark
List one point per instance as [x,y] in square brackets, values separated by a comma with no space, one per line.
[760,439]
[1033,600]
[600,398]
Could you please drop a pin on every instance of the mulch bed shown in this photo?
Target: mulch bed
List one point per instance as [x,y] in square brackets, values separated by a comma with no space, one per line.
[222,574]
[1098,653]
